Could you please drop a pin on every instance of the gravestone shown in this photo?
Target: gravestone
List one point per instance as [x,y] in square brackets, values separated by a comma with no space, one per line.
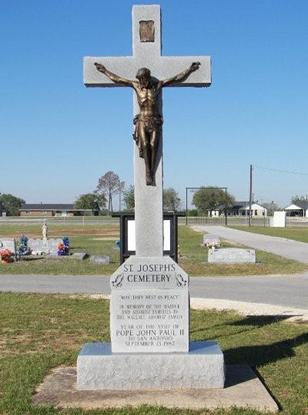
[100,259]
[43,246]
[79,255]
[38,246]
[8,243]
[232,256]
[149,318]
[53,246]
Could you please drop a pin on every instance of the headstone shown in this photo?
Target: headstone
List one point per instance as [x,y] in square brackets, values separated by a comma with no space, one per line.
[8,243]
[38,246]
[53,246]
[42,246]
[100,259]
[79,255]
[232,256]
[210,240]
[149,317]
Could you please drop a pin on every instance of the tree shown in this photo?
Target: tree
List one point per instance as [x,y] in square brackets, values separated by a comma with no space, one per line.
[192,212]
[129,198]
[298,199]
[208,199]
[271,207]
[11,204]
[120,191]
[93,201]
[108,185]
[171,200]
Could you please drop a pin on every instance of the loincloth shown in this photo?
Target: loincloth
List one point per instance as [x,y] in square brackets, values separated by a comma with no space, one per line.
[149,124]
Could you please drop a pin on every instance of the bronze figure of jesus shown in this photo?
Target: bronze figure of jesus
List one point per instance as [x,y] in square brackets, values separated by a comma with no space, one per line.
[148,123]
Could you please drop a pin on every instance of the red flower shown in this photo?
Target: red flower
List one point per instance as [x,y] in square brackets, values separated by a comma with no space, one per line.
[6,255]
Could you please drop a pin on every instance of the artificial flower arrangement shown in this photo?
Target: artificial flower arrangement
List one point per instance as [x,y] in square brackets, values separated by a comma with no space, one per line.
[6,256]
[23,248]
[64,247]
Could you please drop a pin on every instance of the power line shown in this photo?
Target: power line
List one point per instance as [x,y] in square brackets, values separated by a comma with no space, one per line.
[282,171]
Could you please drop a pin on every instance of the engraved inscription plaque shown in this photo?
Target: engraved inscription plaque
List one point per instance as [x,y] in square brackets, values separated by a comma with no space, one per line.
[149,320]
[147,31]
[149,307]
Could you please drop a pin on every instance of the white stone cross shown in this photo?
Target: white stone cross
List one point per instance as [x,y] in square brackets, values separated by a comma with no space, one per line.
[147,53]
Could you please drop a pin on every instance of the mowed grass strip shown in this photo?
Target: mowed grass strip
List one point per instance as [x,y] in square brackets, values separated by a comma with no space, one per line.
[56,230]
[40,332]
[297,234]
[100,239]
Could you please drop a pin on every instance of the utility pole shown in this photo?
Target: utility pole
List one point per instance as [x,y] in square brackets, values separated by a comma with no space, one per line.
[250,194]
[186,207]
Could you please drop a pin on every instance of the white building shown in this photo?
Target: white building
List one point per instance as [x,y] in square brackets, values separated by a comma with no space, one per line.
[242,209]
[298,209]
[256,210]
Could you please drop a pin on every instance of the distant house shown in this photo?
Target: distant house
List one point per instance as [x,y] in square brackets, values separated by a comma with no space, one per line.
[298,209]
[54,209]
[242,209]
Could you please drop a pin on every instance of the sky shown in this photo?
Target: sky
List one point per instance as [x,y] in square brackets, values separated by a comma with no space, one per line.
[57,137]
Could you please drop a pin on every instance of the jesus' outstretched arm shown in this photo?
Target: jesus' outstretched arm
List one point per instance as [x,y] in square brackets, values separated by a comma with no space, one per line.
[182,76]
[115,78]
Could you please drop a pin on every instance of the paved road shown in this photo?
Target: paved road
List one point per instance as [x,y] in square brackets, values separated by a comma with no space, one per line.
[273,244]
[290,291]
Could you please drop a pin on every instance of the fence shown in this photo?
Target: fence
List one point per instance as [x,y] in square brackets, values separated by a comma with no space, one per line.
[221,220]
[291,222]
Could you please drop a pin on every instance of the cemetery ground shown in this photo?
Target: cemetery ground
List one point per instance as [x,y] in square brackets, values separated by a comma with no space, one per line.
[41,332]
[99,239]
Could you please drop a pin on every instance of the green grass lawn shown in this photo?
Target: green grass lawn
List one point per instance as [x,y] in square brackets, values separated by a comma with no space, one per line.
[40,332]
[100,240]
[298,234]
[194,259]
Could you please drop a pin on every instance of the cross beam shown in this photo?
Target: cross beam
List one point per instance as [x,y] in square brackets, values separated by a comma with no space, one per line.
[147,53]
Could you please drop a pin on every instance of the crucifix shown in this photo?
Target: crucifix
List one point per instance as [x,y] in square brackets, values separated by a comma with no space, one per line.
[149,306]
[147,72]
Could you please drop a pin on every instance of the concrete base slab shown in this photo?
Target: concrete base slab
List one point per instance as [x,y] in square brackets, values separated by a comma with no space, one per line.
[202,367]
[242,389]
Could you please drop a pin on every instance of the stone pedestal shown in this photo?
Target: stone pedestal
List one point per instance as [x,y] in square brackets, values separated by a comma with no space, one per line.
[149,326]
[201,368]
